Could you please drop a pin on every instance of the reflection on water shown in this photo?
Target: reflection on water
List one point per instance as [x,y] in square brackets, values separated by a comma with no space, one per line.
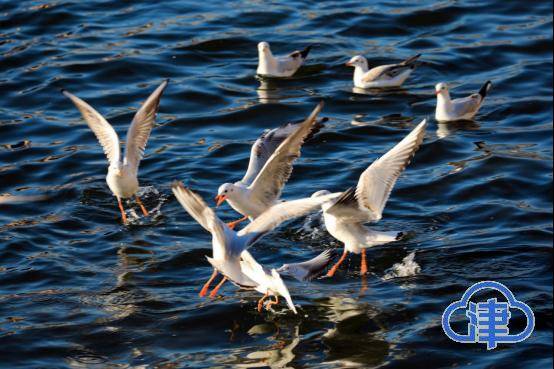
[278,355]
[273,91]
[268,93]
[447,129]
[380,92]
[357,339]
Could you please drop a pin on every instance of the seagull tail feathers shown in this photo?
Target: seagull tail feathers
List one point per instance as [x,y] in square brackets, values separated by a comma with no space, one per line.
[306,51]
[411,60]
[484,89]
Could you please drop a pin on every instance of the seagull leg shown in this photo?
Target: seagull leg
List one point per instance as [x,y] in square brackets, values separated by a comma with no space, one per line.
[207,284]
[333,270]
[216,288]
[123,216]
[363,267]
[233,224]
[144,211]
[261,302]
[271,303]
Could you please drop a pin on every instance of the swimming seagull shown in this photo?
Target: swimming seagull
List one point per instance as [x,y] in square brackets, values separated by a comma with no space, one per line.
[390,75]
[122,172]
[279,66]
[463,108]
[227,244]
[269,282]
[269,168]
[345,216]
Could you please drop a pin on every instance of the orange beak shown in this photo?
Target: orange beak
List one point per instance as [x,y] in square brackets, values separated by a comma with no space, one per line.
[437,92]
[348,64]
[219,200]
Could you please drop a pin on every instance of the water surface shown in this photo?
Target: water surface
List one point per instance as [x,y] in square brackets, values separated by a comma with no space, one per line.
[80,290]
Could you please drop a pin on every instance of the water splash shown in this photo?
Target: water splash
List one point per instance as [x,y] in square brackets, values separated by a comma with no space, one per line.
[153,202]
[407,268]
[312,226]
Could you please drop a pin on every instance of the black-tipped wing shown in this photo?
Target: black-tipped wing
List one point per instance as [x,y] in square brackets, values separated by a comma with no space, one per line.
[141,126]
[102,129]
[367,202]
[267,186]
[268,142]
[309,269]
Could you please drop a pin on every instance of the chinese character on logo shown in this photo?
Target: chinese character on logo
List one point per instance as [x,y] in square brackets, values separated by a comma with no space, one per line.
[488,321]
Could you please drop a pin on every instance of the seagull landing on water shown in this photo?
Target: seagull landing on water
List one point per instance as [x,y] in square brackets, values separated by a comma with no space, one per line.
[269,168]
[345,216]
[390,75]
[464,108]
[269,282]
[228,245]
[279,66]
[122,172]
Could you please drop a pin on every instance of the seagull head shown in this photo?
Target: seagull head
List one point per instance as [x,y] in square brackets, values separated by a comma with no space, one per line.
[263,47]
[357,61]
[223,192]
[441,89]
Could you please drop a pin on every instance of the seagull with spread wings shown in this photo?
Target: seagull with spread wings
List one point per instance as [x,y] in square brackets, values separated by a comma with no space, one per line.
[390,75]
[122,171]
[269,168]
[346,215]
[279,66]
[228,245]
[464,108]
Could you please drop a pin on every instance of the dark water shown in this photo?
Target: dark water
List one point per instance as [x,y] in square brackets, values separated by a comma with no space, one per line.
[80,290]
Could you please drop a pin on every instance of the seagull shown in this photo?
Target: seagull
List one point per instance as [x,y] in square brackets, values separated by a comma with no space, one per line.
[269,168]
[269,282]
[390,75]
[122,172]
[345,216]
[227,244]
[463,108]
[279,66]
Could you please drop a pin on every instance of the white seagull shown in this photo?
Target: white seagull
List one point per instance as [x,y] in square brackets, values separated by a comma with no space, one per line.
[463,108]
[390,75]
[122,171]
[270,167]
[227,244]
[345,216]
[279,66]
[269,282]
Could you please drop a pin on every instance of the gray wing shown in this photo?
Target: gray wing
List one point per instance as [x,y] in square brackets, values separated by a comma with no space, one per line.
[103,131]
[141,126]
[289,63]
[466,105]
[390,71]
[367,202]
[205,216]
[309,269]
[268,184]
[268,142]
[279,213]
[347,208]
[376,182]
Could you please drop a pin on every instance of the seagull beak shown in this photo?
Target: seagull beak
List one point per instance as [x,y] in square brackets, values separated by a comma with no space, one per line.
[219,200]
[348,64]
[437,92]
